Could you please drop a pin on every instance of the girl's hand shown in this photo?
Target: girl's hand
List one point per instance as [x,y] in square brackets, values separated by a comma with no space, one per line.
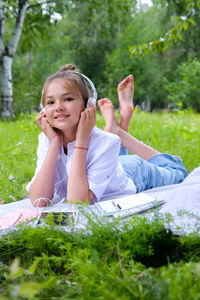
[86,123]
[44,125]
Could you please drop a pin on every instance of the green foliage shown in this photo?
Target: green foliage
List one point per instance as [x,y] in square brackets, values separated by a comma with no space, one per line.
[173,35]
[96,27]
[148,71]
[185,90]
[183,280]
[111,262]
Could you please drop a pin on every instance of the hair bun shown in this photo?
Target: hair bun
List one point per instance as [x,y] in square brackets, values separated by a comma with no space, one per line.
[68,67]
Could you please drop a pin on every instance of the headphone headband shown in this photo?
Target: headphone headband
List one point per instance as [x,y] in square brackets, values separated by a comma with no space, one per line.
[90,82]
[93,99]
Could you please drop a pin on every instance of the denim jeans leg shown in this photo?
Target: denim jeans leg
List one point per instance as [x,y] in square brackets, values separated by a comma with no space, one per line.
[133,166]
[123,150]
[160,170]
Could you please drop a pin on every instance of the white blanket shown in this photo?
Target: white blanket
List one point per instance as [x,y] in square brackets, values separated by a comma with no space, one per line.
[183,197]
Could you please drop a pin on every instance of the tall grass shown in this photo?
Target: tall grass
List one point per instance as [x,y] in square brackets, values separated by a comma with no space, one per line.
[137,260]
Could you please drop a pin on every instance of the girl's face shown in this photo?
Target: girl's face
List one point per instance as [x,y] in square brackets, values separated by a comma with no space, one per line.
[63,105]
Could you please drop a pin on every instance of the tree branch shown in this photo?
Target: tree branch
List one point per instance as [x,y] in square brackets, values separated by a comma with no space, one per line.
[13,42]
[39,4]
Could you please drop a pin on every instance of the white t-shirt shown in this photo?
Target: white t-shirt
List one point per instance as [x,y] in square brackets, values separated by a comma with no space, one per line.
[105,174]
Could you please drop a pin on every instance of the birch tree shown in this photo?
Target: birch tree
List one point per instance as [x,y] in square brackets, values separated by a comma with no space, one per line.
[7,52]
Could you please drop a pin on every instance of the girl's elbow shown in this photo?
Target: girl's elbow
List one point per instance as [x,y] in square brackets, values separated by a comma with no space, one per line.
[40,201]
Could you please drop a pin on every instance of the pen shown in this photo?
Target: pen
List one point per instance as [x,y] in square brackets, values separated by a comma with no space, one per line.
[117,206]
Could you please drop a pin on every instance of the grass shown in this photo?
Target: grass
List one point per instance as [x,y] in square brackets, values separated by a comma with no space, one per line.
[141,260]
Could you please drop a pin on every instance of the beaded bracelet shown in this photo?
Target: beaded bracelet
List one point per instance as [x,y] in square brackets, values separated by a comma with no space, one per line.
[82,148]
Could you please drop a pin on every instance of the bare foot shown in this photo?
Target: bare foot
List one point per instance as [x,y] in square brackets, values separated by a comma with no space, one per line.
[107,111]
[125,93]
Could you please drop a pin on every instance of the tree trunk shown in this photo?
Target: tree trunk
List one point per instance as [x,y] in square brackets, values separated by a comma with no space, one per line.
[6,86]
[6,56]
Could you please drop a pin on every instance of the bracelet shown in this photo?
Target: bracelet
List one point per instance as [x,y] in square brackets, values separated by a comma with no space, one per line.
[82,148]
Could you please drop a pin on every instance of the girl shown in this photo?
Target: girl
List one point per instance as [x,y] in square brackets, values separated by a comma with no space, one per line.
[80,162]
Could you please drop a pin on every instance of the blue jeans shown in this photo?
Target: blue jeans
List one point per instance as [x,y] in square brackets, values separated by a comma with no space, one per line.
[161,169]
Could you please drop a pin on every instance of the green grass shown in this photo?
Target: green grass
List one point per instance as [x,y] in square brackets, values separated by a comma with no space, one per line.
[141,260]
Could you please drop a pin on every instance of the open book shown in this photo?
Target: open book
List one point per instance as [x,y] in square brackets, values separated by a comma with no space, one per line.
[127,205]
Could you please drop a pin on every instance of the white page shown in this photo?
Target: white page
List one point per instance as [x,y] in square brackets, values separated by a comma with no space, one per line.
[130,202]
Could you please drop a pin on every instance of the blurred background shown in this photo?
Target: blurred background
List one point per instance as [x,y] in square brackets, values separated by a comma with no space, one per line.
[97,36]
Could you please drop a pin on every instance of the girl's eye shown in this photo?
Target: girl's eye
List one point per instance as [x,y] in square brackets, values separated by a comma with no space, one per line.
[68,99]
[50,102]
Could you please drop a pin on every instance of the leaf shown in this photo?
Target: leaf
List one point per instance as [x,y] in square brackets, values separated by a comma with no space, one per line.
[191,5]
[185,26]
[177,18]
[133,50]
[50,283]
[191,21]
[180,36]
[34,265]
[15,270]
[29,289]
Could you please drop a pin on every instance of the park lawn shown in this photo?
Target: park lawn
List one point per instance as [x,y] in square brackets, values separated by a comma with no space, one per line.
[139,260]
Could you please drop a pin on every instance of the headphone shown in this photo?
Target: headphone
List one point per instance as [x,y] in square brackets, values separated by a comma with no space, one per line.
[92,99]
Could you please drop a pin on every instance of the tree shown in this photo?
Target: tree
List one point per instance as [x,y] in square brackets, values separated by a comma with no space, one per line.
[96,30]
[7,53]
[184,91]
[149,70]
[12,16]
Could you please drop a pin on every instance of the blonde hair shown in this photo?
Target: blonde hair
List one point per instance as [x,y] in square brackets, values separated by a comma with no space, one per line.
[71,74]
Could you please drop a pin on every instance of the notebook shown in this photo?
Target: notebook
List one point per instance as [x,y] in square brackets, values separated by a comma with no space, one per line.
[127,205]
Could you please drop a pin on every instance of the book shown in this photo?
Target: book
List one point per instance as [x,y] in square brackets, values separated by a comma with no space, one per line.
[127,205]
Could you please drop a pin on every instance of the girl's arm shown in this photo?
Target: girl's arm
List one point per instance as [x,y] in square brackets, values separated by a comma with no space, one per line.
[77,187]
[42,186]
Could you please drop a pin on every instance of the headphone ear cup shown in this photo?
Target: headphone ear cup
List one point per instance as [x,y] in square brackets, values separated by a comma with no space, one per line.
[92,100]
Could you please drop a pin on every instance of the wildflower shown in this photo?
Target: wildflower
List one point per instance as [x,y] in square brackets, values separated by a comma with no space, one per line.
[11,177]
[137,108]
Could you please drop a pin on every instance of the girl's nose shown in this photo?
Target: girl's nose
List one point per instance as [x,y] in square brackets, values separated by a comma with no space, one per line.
[59,105]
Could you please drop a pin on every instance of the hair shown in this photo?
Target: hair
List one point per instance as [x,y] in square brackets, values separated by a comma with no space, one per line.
[74,80]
